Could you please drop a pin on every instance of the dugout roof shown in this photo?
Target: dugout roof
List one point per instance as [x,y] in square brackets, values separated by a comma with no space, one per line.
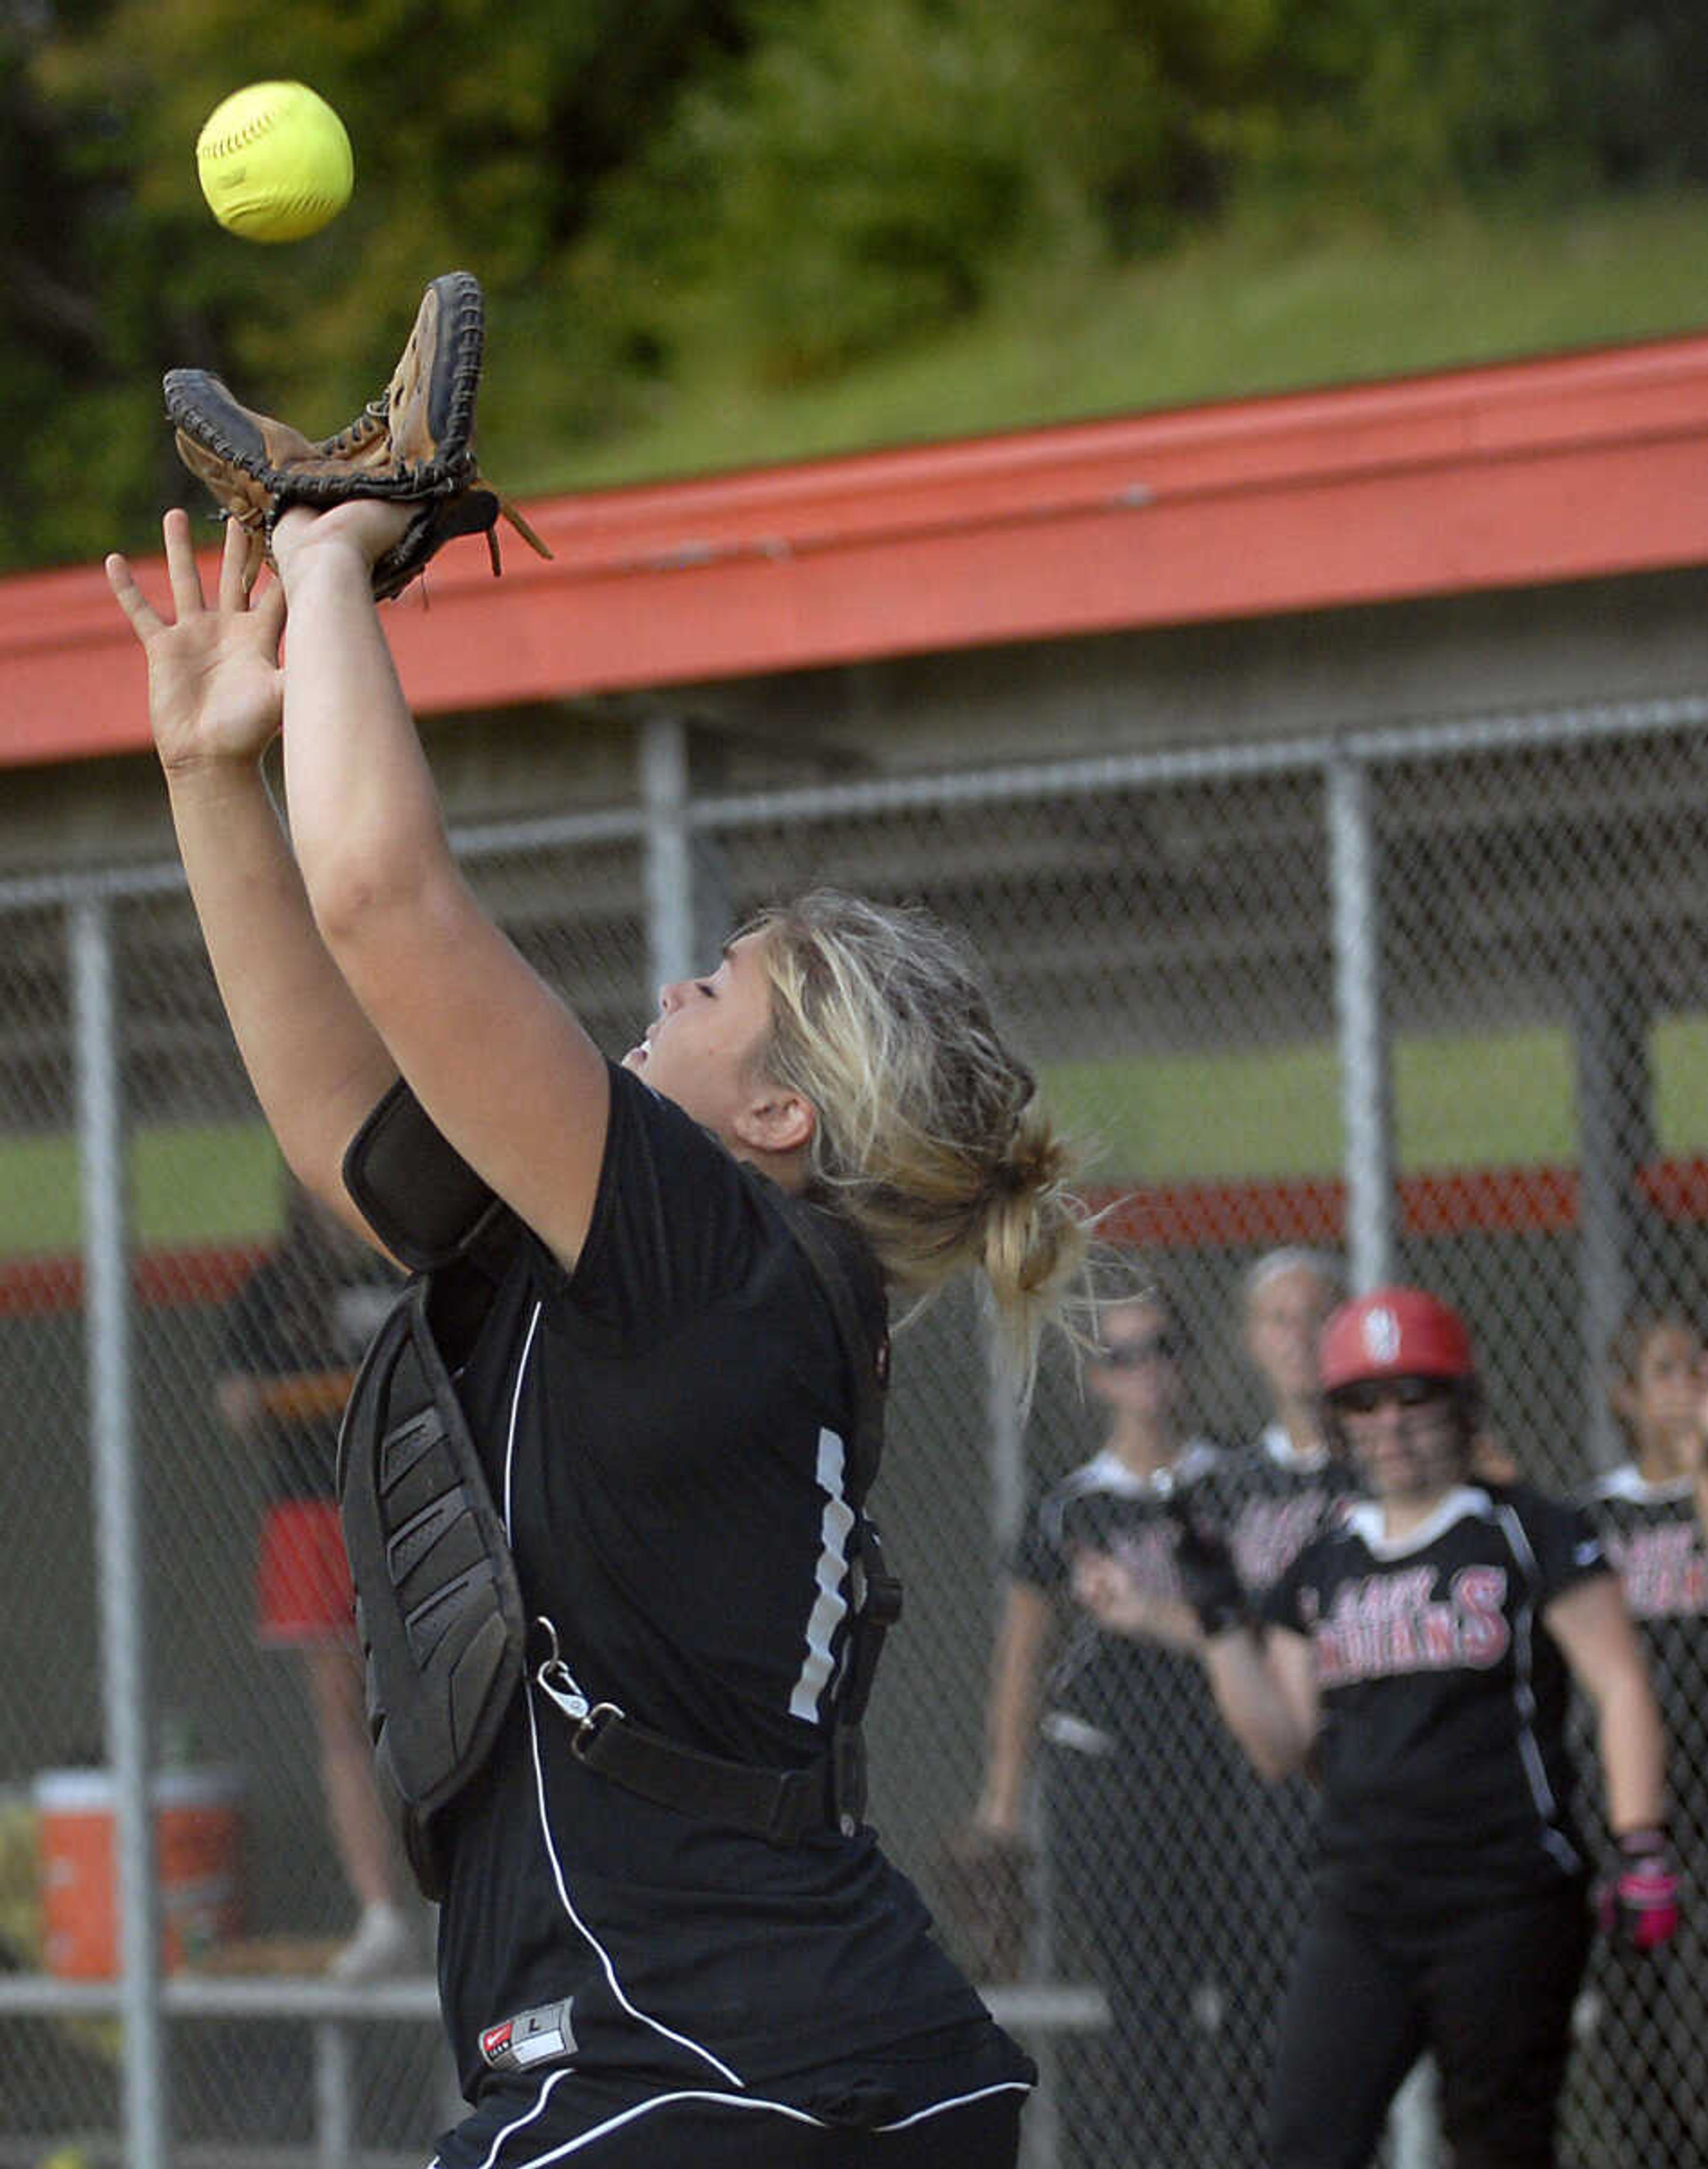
[1573,466]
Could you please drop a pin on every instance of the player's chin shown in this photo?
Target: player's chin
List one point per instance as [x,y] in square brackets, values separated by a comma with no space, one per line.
[1396,1471]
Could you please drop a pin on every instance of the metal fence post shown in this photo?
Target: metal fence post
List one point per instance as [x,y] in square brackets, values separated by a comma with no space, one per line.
[1366,1101]
[1366,1093]
[670,851]
[118,1548]
[1615,1133]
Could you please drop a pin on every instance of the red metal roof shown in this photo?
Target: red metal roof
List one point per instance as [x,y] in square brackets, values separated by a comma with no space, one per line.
[1562,468]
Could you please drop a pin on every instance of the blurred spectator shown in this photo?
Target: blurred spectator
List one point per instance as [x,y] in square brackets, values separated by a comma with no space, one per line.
[1268,1498]
[1274,1490]
[1136,1768]
[1418,1655]
[1647,2022]
[294,1333]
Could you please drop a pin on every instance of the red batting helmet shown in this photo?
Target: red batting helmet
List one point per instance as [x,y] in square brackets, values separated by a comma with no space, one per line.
[1394,1333]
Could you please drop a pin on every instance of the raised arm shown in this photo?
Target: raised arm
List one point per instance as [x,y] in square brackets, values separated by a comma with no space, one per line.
[1263,1678]
[496,1060]
[214,690]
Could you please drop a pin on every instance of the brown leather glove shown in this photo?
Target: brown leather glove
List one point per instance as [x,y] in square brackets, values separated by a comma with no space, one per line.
[986,1881]
[414,444]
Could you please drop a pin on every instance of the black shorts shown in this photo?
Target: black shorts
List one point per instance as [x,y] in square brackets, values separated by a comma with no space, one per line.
[612,2123]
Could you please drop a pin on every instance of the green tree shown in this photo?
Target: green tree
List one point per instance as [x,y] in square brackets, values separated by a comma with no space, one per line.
[482,137]
[768,190]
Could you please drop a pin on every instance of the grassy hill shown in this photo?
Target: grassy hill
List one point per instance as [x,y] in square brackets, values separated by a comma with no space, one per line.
[1270,303]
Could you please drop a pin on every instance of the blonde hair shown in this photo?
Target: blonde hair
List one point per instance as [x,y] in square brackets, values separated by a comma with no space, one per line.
[1294,1258]
[930,1137]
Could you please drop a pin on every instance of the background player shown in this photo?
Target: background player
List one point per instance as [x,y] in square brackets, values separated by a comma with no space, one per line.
[294,1333]
[1268,1498]
[1277,1487]
[1135,1763]
[1419,1656]
[1649,2015]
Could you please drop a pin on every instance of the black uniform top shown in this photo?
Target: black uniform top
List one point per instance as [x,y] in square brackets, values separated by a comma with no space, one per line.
[666,1431]
[1269,1501]
[1444,1771]
[1126,1688]
[1654,1541]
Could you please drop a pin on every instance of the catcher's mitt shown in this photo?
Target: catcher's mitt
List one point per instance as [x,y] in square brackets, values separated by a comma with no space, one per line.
[414,444]
[986,1882]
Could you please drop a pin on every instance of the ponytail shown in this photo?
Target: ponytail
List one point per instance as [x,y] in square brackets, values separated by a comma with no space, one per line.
[929,1134]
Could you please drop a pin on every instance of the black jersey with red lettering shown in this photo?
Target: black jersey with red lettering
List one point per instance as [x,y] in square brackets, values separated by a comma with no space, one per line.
[665,1430]
[1444,1768]
[1115,1686]
[1269,1501]
[1654,1541]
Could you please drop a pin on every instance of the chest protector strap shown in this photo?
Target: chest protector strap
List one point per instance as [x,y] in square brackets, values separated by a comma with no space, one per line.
[440,1611]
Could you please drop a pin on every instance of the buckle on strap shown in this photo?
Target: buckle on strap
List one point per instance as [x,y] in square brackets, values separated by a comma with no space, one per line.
[555,1681]
[585,1737]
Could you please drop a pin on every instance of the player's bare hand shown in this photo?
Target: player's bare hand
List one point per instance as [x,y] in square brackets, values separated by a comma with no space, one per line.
[1105,1588]
[216,690]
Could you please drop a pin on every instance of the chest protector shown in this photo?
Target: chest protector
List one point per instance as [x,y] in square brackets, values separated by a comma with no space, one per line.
[440,1612]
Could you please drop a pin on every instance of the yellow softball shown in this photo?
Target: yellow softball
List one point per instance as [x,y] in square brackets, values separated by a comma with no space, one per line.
[275,162]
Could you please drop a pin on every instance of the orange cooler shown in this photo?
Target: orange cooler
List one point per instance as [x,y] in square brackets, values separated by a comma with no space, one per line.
[198,1820]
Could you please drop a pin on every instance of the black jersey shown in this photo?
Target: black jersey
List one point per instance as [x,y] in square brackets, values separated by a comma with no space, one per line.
[1654,1540]
[1269,1501]
[666,1430]
[1443,1763]
[1110,1687]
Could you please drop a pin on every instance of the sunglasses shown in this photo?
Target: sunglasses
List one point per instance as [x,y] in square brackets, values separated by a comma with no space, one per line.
[1369,1394]
[1129,1354]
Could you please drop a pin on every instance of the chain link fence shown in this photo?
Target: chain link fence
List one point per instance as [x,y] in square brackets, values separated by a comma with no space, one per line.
[1430,1000]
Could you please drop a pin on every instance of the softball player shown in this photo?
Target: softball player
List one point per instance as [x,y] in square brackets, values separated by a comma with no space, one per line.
[1135,1761]
[1418,1655]
[665,1936]
[1217,1883]
[1268,1498]
[1644,2058]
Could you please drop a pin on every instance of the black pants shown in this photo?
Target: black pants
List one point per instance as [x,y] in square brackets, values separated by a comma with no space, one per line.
[1142,1904]
[1489,1990]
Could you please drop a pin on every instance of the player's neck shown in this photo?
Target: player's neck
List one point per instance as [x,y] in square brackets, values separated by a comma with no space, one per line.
[1661,1459]
[1403,1512]
[1143,1447]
